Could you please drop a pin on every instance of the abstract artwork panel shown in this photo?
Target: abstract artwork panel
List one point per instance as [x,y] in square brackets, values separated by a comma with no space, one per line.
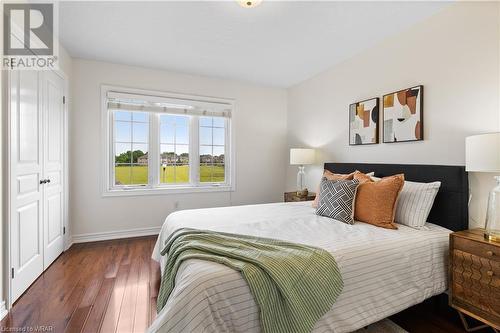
[403,115]
[363,122]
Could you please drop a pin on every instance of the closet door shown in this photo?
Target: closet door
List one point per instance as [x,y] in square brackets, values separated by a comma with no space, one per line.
[26,206]
[53,166]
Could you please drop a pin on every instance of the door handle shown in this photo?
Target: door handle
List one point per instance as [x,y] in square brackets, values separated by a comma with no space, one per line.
[47,180]
[43,181]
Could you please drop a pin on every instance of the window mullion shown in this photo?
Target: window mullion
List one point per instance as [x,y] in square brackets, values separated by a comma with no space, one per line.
[212,162]
[227,152]
[154,150]
[194,151]
[174,164]
[111,180]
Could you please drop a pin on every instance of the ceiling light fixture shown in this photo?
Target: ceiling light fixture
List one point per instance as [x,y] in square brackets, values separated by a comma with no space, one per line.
[249,3]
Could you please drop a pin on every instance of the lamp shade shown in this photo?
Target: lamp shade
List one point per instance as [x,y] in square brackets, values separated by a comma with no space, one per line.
[302,156]
[482,153]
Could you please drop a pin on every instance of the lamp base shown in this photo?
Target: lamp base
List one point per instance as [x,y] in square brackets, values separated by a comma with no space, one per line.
[492,227]
[300,179]
[492,237]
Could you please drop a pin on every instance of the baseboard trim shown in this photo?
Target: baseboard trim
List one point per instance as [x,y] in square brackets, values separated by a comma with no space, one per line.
[3,310]
[69,244]
[107,235]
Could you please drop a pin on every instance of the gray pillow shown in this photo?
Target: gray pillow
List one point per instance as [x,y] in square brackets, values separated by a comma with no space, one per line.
[336,199]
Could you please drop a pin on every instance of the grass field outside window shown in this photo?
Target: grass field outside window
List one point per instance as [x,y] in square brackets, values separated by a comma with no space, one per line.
[208,173]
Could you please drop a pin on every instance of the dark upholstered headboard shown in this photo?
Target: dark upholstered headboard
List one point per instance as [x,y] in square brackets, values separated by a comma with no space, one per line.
[450,208]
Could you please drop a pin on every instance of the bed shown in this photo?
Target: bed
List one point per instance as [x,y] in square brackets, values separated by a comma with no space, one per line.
[384,271]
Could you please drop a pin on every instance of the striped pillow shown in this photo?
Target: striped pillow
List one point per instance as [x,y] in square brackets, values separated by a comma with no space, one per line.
[415,203]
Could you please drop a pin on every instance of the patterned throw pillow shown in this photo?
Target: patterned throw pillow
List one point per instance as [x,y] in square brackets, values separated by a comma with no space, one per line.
[336,199]
[334,176]
[331,176]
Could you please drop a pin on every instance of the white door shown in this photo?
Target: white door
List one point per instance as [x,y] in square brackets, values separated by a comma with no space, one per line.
[53,166]
[36,151]
[26,206]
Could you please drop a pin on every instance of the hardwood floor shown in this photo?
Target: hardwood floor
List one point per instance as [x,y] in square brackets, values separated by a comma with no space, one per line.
[111,286]
[428,318]
[108,286]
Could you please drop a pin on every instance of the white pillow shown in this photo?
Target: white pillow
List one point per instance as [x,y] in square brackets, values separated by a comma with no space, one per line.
[415,203]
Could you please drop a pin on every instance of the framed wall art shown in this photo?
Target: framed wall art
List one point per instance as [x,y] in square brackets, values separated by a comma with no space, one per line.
[363,122]
[403,115]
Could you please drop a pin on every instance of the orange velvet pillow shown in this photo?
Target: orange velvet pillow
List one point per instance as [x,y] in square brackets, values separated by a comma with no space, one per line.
[376,200]
[331,176]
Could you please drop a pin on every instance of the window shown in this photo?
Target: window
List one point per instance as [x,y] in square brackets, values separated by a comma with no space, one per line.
[212,149]
[161,143]
[174,149]
[131,148]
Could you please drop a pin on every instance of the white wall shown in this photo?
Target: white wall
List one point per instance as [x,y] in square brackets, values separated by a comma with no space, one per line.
[260,129]
[454,54]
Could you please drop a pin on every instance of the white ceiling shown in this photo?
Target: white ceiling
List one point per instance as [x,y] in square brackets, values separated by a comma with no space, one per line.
[276,43]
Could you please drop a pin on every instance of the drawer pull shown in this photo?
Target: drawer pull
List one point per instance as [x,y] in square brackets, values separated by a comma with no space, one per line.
[489,253]
[490,273]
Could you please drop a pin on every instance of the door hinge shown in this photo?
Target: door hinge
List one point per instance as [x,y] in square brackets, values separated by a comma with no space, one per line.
[12,272]
[64,230]
[64,99]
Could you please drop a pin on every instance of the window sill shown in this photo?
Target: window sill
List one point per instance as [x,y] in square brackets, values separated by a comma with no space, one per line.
[165,191]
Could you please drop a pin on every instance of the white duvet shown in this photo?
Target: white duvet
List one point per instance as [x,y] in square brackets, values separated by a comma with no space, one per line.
[384,271]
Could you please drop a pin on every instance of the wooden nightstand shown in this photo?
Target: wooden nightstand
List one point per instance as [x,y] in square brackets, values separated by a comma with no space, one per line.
[475,277]
[292,196]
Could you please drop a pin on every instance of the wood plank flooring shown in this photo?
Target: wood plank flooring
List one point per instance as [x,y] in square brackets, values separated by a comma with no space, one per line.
[108,286]
[111,286]
[428,318]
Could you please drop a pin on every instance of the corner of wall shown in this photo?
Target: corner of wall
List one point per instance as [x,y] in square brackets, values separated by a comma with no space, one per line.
[66,67]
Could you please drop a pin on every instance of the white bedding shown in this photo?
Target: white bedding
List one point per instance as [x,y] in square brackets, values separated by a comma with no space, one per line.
[384,271]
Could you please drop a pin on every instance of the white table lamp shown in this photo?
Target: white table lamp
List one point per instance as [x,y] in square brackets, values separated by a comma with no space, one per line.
[301,157]
[482,154]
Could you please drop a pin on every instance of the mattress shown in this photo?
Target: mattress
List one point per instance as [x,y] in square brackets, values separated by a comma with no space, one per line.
[384,271]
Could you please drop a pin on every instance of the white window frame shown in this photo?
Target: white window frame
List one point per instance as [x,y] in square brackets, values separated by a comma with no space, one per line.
[154,187]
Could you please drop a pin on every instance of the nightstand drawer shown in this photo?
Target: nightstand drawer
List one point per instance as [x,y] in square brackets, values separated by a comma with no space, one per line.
[479,249]
[476,282]
[475,276]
